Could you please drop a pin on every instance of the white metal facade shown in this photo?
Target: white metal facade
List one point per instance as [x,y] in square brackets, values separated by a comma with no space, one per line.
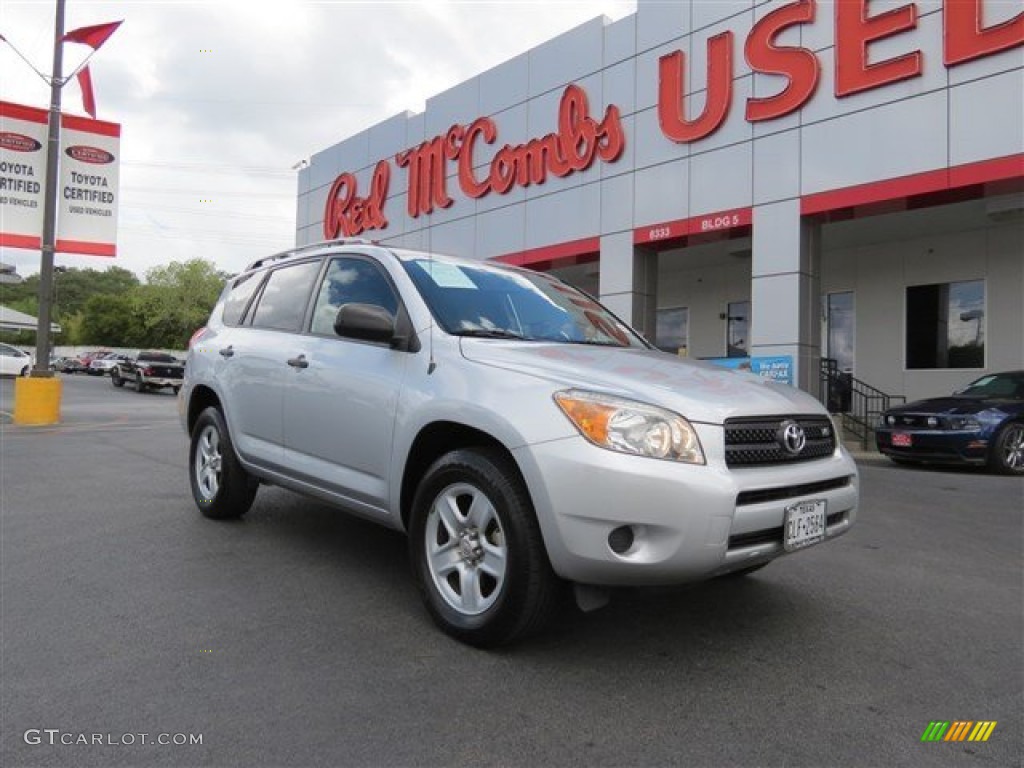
[962,117]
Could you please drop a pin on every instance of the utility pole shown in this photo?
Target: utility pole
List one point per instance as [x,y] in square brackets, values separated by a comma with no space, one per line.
[49,241]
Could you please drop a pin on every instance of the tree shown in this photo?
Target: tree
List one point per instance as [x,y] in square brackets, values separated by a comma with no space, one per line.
[107,320]
[176,300]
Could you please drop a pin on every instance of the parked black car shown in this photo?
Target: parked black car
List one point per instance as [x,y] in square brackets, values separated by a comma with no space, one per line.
[149,370]
[983,423]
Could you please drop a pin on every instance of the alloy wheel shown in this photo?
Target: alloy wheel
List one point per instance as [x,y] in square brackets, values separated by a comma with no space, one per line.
[466,548]
[208,462]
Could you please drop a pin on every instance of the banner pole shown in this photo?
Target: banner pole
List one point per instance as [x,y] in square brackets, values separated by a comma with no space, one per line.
[42,366]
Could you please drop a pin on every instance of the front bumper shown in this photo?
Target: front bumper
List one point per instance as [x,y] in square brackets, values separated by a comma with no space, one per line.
[936,446]
[689,522]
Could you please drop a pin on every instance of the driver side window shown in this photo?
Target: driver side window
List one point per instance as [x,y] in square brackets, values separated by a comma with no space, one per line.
[350,281]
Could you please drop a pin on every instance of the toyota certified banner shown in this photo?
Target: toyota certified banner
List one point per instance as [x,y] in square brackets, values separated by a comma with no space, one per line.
[22,175]
[87,193]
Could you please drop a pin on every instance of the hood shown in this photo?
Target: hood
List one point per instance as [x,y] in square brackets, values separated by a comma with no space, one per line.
[699,391]
[956,405]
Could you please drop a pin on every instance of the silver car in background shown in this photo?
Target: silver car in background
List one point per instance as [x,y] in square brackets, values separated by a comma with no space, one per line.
[523,436]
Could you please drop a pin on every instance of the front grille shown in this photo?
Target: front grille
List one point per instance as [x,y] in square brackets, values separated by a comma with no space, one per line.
[915,420]
[791,491]
[756,441]
[773,535]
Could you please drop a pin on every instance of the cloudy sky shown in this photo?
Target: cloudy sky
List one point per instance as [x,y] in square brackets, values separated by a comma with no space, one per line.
[219,100]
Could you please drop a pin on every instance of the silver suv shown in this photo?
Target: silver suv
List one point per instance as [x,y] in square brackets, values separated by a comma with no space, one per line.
[523,436]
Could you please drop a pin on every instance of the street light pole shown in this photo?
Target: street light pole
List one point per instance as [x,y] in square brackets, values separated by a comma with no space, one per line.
[42,366]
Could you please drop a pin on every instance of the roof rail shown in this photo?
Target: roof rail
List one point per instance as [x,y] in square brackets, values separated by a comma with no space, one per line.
[308,247]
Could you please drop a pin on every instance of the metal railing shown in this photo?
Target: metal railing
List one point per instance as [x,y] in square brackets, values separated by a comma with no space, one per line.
[858,404]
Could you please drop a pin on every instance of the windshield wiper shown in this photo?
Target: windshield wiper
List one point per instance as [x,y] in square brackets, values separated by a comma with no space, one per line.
[490,333]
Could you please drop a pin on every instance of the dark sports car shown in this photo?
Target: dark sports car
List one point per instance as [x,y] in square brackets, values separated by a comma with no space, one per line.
[980,424]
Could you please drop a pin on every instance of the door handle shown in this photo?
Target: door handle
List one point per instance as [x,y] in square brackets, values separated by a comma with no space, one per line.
[228,351]
[299,362]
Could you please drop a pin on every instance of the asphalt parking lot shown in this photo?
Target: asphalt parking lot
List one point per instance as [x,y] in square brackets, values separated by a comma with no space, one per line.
[295,637]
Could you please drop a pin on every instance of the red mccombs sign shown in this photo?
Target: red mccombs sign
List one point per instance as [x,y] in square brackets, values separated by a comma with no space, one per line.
[580,139]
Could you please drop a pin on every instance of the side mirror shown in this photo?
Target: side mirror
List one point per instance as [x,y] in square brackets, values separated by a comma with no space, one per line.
[366,322]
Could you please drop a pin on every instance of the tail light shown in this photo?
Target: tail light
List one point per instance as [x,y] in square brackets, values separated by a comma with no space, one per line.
[196,337]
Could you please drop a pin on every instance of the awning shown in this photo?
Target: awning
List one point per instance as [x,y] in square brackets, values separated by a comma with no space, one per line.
[13,320]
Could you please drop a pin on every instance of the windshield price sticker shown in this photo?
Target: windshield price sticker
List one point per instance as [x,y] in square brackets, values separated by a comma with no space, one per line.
[447,275]
[804,524]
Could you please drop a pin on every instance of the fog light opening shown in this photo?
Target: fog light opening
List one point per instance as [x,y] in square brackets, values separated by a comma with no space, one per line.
[621,539]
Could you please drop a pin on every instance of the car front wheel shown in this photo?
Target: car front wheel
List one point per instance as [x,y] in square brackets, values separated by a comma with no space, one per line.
[1008,450]
[221,488]
[115,378]
[477,551]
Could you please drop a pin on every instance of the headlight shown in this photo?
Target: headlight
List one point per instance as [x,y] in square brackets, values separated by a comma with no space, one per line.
[630,427]
[964,423]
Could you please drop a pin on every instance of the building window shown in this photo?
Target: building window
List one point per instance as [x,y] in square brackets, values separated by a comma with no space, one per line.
[672,330]
[946,325]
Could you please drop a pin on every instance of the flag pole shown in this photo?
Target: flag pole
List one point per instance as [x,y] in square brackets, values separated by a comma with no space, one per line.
[42,366]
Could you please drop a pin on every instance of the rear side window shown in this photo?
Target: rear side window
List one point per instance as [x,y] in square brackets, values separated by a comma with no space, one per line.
[238,299]
[282,305]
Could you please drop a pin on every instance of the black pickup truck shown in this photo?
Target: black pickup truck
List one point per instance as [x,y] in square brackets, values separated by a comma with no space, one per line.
[149,370]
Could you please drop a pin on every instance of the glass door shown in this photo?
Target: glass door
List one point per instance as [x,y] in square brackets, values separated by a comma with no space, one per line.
[737,329]
[840,329]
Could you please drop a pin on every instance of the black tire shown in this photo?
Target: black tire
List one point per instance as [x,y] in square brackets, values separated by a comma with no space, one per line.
[221,488]
[1007,455]
[525,595]
[115,379]
[139,386]
[24,371]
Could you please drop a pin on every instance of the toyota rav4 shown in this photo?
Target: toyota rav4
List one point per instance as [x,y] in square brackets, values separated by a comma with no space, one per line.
[523,436]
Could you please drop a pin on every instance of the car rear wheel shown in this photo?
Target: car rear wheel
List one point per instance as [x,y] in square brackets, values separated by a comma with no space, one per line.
[115,378]
[477,551]
[221,488]
[1008,450]
[139,386]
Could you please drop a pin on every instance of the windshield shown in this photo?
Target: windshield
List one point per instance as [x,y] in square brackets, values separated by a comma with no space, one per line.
[490,301]
[999,385]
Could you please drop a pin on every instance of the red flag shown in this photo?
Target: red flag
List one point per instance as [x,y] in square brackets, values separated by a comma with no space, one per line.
[88,99]
[93,36]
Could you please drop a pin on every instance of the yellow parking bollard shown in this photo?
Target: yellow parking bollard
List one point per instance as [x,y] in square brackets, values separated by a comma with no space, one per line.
[37,401]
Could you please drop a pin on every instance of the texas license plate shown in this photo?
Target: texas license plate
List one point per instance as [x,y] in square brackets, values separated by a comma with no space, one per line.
[902,440]
[804,524]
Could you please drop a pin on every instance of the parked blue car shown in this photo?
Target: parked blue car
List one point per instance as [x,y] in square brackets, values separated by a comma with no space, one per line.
[980,424]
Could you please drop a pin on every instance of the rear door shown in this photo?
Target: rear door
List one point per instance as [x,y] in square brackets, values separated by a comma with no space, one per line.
[339,410]
[253,360]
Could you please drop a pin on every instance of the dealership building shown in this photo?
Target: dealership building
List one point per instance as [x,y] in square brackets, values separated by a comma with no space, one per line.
[763,182]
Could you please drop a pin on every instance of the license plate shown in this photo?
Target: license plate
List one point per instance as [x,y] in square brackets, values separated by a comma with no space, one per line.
[902,440]
[804,524]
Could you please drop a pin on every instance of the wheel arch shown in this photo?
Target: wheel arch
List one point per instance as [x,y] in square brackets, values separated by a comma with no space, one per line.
[202,398]
[433,441]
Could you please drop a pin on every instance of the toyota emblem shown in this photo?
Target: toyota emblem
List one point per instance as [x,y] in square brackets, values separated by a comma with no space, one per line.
[792,437]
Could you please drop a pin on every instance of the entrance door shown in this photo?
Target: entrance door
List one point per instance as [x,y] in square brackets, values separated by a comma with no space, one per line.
[839,329]
[737,329]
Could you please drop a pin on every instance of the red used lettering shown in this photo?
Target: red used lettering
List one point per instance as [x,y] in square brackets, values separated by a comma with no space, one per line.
[855,30]
[798,65]
[346,214]
[717,98]
[966,36]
